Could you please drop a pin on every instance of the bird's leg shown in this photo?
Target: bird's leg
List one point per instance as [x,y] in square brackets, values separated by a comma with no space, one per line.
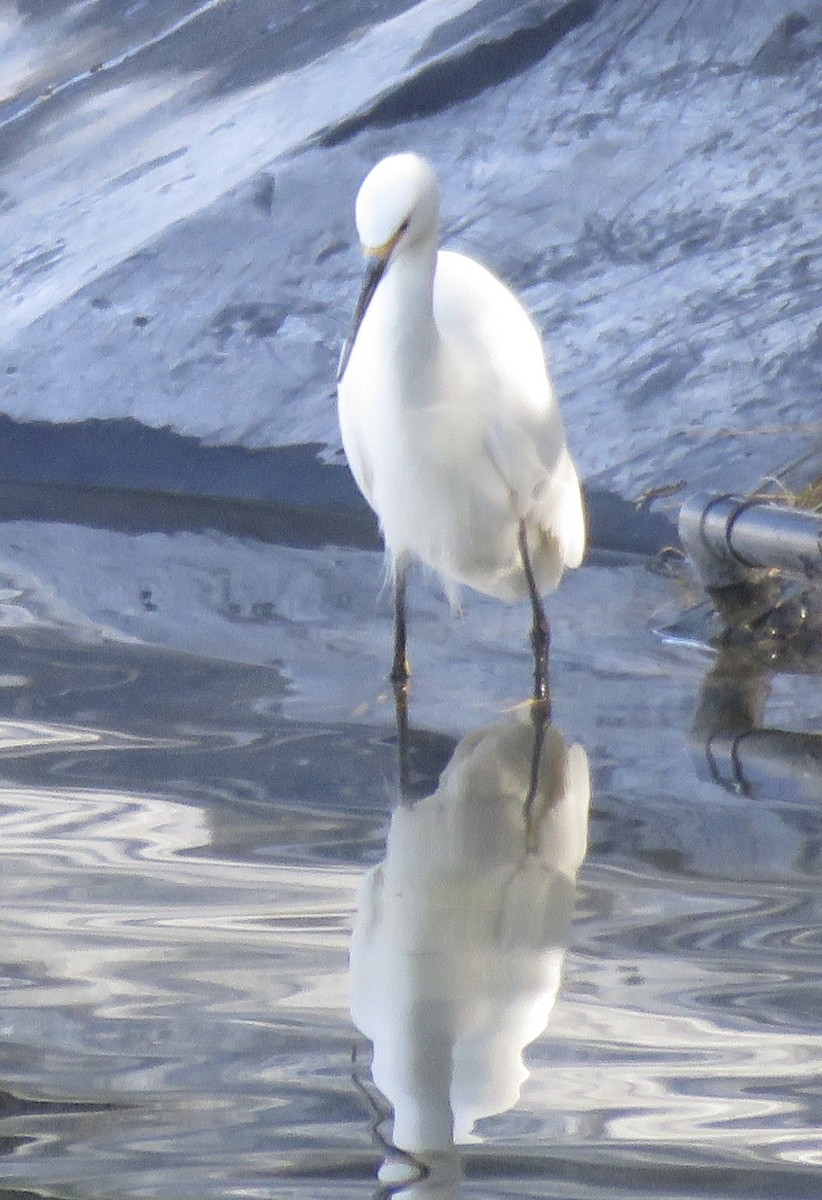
[540,630]
[540,718]
[401,715]
[399,668]
[399,674]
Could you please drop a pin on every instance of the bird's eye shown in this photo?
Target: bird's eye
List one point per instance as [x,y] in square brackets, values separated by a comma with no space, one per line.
[402,229]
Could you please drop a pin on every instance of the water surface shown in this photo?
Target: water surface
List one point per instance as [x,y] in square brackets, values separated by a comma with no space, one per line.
[200,808]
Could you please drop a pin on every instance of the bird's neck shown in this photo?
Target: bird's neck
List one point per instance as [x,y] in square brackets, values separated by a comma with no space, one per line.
[408,312]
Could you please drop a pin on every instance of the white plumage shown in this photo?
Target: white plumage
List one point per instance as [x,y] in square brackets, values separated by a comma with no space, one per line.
[447,412]
[461,931]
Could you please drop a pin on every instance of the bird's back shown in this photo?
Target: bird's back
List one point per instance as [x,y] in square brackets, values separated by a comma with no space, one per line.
[522,426]
[476,312]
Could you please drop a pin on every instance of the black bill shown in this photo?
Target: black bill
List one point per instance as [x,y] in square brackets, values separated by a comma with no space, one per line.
[375,268]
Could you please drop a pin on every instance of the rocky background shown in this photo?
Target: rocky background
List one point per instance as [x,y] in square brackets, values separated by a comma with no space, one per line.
[177,242]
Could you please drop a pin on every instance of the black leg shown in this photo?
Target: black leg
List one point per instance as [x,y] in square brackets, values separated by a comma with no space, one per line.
[540,630]
[399,669]
[540,720]
[401,714]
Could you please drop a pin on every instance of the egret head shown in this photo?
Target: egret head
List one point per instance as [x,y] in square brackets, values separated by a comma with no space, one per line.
[397,205]
[397,209]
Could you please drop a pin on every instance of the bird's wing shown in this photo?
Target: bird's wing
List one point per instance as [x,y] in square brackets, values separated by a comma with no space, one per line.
[522,425]
[480,315]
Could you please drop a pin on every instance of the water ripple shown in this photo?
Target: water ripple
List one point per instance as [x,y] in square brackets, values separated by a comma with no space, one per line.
[179,868]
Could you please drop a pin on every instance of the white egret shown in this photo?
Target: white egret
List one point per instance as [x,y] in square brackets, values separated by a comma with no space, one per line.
[448,417]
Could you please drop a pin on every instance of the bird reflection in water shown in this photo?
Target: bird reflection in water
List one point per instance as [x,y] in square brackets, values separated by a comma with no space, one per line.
[460,937]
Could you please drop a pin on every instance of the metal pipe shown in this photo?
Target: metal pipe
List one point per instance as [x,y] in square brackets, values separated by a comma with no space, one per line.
[730,539]
[769,763]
